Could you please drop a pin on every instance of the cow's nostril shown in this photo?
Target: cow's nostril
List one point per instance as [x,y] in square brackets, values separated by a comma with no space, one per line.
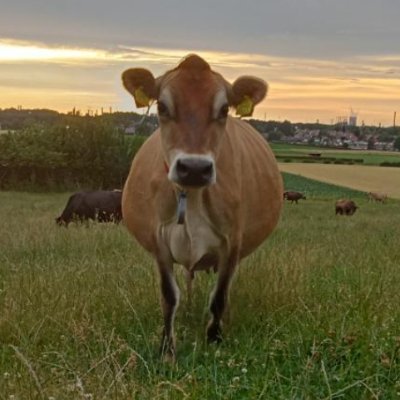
[183,169]
[207,170]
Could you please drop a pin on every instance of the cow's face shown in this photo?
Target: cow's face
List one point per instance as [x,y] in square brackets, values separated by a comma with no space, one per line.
[193,104]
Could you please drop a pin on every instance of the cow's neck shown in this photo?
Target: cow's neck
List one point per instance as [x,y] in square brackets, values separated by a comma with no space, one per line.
[196,237]
[187,201]
[181,208]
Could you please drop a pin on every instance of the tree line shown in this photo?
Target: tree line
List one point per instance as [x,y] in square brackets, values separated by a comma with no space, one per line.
[16,119]
[47,150]
[84,152]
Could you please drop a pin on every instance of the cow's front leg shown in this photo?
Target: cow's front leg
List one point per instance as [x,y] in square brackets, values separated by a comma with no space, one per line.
[169,304]
[220,297]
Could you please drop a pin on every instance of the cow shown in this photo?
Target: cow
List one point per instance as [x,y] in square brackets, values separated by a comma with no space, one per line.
[101,205]
[293,196]
[204,190]
[345,207]
[377,197]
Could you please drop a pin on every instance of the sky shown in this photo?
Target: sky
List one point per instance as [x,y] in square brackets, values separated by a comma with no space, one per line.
[322,59]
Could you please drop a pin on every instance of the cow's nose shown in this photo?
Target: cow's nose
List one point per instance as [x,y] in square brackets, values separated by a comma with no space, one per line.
[194,171]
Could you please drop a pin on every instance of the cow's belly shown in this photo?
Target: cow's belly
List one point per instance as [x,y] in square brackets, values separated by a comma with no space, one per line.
[192,242]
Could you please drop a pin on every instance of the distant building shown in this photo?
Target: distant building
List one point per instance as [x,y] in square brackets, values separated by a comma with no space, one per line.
[353,120]
[384,146]
[358,145]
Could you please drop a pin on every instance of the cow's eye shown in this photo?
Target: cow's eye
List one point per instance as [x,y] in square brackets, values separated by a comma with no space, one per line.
[223,112]
[162,109]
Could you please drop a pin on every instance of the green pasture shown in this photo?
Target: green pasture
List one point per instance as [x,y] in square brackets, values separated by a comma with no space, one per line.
[314,312]
[288,152]
[319,190]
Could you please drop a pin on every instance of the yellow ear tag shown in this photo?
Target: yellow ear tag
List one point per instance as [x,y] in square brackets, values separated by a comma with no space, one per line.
[245,107]
[141,99]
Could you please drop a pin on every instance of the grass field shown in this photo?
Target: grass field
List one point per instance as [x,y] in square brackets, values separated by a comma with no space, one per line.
[370,157]
[363,178]
[318,189]
[314,312]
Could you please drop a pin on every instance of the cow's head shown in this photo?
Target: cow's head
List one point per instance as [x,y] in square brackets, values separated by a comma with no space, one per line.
[193,104]
[61,222]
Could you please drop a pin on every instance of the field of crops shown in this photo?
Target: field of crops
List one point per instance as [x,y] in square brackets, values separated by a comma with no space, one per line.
[314,312]
[317,189]
[363,178]
[289,153]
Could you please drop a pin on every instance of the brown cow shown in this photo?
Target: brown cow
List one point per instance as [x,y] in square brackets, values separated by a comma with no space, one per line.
[293,196]
[204,190]
[377,197]
[345,207]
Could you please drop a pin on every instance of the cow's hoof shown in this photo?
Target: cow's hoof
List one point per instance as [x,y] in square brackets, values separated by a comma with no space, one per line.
[214,333]
[167,351]
[169,358]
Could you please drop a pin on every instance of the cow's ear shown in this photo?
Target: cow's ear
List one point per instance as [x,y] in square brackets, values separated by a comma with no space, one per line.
[140,83]
[247,91]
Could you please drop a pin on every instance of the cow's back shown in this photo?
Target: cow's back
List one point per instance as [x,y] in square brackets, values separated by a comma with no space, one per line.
[244,203]
[103,204]
[104,199]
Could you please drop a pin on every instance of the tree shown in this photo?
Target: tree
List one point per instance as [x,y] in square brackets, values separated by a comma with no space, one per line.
[356,130]
[275,135]
[396,144]
[86,153]
[371,144]
[286,128]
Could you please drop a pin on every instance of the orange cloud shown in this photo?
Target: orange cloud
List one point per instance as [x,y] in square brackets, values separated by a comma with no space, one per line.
[301,89]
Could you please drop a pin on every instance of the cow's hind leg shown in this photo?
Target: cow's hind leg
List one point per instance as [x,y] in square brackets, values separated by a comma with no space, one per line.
[220,298]
[169,303]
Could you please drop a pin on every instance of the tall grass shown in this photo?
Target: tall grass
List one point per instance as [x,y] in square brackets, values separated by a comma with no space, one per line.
[314,313]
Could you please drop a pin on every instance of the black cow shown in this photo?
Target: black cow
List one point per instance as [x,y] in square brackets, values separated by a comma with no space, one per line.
[101,205]
[293,196]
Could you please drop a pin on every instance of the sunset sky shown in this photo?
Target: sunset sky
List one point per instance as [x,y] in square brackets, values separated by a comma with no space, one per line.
[320,57]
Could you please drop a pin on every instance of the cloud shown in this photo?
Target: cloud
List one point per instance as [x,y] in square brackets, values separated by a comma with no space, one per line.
[22,51]
[34,72]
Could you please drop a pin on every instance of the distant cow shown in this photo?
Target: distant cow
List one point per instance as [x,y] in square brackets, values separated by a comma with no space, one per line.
[293,196]
[345,207]
[374,196]
[101,205]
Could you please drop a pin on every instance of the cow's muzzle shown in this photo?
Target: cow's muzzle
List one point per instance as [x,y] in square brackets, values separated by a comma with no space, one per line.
[193,171]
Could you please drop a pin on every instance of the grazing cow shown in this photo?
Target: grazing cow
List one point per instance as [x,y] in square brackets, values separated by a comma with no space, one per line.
[204,190]
[377,197]
[101,205]
[294,196]
[345,207]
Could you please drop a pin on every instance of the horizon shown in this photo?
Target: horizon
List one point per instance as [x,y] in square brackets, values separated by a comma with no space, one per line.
[106,111]
[322,61]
